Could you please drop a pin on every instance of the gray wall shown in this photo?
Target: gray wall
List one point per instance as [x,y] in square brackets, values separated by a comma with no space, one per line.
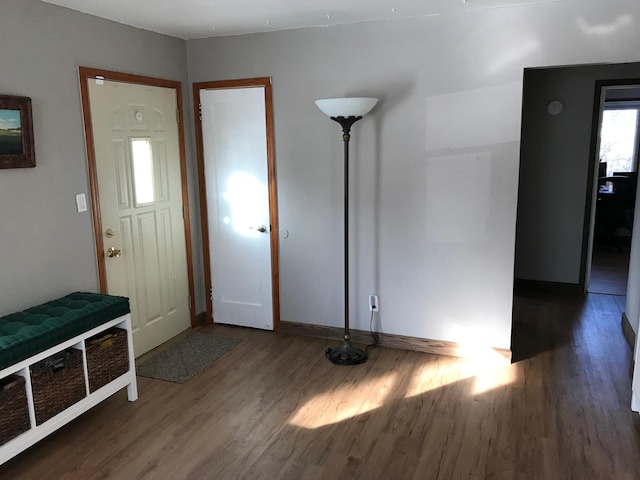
[435,172]
[433,190]
[435,165]
[46,247]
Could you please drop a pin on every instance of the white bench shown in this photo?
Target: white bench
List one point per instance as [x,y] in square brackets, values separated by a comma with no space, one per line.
[22,368]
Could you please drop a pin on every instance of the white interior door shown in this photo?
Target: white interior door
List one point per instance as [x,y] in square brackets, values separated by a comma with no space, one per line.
[137,157]
[234,138]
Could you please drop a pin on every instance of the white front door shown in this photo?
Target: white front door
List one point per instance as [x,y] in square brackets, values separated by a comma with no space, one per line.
[234,141]
[137,158]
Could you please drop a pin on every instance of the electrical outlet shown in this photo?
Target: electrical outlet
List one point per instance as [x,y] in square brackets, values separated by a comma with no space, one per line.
[374,304]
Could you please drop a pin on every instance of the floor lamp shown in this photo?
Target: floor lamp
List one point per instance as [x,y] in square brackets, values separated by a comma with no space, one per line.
[346,111]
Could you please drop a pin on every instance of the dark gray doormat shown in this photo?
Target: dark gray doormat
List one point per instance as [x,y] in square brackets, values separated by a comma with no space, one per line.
[186,357]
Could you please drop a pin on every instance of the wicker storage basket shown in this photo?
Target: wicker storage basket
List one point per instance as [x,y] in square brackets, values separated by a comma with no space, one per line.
[57,383]
[107,357]
[14,412]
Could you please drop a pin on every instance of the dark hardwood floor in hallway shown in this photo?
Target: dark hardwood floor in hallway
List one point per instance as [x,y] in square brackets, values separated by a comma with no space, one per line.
[275,408]
[609,271]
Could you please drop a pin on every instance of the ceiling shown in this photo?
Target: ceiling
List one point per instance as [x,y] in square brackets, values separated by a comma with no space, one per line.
[189,19]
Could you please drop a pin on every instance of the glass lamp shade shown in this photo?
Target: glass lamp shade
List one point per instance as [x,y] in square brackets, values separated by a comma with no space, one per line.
[346,107]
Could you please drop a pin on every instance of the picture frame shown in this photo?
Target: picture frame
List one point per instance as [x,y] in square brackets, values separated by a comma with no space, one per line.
[16,133]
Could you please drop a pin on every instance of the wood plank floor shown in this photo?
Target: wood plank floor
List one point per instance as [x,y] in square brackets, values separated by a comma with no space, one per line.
[275,408]
[609,271]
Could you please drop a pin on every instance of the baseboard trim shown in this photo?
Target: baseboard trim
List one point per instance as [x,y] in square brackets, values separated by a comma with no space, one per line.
[629,334]
[201,319]
[401,342]
[521,285]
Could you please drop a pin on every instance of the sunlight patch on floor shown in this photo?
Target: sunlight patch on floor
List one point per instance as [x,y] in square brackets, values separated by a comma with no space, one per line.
[344,402]
[483,367]
[489,368]
[486,367]
[433,375]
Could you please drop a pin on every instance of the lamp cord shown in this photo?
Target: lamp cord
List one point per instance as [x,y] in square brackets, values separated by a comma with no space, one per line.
[377,336]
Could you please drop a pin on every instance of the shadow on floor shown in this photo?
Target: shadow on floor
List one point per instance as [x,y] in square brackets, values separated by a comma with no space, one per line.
[536,329]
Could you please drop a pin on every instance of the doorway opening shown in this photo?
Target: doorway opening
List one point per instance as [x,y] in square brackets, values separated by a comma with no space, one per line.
[616,179]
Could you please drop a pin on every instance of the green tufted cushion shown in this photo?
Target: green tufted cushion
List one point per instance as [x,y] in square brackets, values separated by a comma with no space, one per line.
[24,334]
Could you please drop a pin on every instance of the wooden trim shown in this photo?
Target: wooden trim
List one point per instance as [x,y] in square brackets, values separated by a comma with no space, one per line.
[630,335]
[273,206]
[627,329]
[589,200]
[272,187]
[238,83]
[204,213]
[85,73]
[185,205]
[400,342]
[522,285]
[88,72]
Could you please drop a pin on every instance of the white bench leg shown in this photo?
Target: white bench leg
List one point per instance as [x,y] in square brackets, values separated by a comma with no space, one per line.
[132,388]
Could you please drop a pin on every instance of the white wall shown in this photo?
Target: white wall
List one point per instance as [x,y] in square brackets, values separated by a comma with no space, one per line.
[435,168]
[46,247]
[632,306]
[435,165]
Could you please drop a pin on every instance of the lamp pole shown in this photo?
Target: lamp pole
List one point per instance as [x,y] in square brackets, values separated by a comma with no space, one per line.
[346,354]
[354,108]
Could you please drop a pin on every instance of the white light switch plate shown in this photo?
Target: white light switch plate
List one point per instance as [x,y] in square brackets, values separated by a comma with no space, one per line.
[81,202]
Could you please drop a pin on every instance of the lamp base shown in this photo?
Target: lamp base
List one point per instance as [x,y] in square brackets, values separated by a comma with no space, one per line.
[346,354]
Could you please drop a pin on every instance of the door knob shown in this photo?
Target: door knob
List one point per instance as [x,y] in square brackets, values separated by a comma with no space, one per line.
[261,228]
[113,252]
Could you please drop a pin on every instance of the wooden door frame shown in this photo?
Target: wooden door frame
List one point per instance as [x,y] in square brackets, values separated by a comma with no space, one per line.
[271,177]
[85,74]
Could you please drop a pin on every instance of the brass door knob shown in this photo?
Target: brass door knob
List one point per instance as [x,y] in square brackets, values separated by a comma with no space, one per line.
[113,252]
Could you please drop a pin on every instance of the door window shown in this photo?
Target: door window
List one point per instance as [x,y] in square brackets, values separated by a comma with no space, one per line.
[142,161]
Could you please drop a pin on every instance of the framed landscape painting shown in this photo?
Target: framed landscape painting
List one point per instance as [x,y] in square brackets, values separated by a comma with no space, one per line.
[16,133]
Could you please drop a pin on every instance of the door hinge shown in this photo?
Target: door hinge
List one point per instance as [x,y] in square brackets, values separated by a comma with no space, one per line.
[211,293]
[200,111]
[183,215]
[178,116]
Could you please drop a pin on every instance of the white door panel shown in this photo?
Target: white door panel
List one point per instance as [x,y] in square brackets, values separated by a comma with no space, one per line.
[140,189]
[235,157]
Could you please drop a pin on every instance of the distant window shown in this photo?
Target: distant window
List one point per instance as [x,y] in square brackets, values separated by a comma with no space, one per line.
[618,139]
